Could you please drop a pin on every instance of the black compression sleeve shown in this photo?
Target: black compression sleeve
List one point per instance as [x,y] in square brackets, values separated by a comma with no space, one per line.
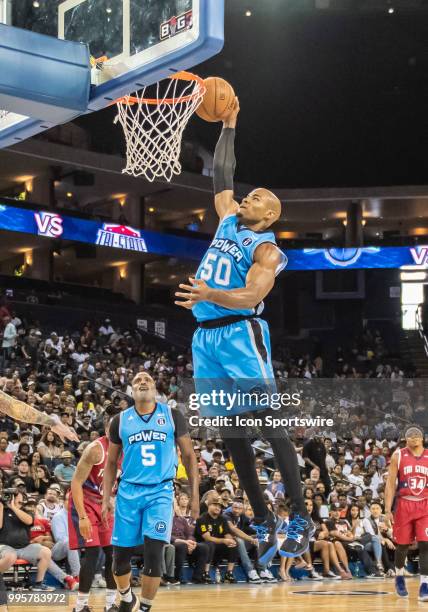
[180,423]
[113,432]
[224,161]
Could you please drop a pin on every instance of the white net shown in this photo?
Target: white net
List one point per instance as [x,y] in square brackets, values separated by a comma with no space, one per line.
[3,114]
[154,127]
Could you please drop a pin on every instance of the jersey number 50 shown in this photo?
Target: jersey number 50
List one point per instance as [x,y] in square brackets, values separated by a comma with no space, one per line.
[219,267]
[148,458]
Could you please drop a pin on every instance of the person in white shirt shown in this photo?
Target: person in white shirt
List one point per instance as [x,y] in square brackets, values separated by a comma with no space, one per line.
[54,341]
[207,453]
[8,341]
[106,329]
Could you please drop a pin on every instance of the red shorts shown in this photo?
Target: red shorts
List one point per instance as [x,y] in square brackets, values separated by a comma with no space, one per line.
[101,533]
[411,521]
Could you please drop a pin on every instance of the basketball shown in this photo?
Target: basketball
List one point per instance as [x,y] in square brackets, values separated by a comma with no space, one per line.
[218,100]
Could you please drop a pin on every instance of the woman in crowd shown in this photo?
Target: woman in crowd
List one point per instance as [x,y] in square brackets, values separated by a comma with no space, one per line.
[42,479]
[23,452]
[6,458]
[50,450]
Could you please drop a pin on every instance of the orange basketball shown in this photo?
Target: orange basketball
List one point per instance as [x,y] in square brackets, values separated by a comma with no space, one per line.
[218,100]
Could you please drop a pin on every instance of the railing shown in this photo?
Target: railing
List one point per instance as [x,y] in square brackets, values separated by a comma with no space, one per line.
[420,328]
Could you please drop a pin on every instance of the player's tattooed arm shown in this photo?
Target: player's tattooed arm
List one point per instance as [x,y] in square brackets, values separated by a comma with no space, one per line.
[90,456]
[21,411]
[189,460]
[260,280]
[224,166]
[391,486]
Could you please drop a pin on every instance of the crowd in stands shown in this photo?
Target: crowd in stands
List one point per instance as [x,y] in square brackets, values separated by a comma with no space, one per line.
[78,374]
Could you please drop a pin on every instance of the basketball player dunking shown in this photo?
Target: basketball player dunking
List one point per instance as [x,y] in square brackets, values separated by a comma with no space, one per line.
[148,434]
[232,342]
[87,528]
[408,478]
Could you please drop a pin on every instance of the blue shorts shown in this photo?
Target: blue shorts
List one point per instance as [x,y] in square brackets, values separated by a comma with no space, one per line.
[143,510]
[238,354]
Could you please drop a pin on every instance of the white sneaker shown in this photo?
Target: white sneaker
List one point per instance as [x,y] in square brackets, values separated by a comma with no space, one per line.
[313,575]
[267,576]
[333,576]
[99,582]
[253,577]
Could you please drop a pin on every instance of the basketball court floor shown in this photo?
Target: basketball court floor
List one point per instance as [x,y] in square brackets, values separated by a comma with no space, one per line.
[302,596]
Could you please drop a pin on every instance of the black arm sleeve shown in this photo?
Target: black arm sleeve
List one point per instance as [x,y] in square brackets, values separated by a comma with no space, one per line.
[180,424]
[224,161]
[113,432]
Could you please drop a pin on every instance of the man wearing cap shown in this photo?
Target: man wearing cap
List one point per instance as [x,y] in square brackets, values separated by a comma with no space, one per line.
[408,482]
[65,470]
[213,528]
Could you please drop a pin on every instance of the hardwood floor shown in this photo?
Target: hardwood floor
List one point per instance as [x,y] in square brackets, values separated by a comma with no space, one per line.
[301,596]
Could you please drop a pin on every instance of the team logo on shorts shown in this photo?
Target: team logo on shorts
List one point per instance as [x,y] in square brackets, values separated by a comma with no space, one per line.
[161,420]
[247,242]
[160,527]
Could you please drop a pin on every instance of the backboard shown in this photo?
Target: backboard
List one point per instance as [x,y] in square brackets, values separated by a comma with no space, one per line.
[140,41]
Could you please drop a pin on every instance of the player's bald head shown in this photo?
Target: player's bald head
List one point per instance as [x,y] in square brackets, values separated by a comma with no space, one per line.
[272,203]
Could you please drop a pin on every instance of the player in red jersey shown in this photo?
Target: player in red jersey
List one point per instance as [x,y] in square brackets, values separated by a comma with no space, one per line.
[86,528]
[408,483]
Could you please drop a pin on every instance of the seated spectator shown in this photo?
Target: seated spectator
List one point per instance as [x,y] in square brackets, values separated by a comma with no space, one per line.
[185,544]
[42,480]
[15,541]
[320,544]
[276,486]
[213,529]
[65,470]
[50,450]
[50,504]
[24,452]
[23,474]
[380,543]
[6,458]
[239,526]
[345,543]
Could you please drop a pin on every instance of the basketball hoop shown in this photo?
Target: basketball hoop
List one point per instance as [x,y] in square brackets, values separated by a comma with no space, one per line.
[154,127]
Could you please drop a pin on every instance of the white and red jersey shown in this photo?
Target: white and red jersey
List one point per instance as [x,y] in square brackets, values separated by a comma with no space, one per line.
[412,474]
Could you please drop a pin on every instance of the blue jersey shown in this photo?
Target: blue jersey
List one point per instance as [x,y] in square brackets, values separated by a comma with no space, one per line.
[226,264]
[149,445]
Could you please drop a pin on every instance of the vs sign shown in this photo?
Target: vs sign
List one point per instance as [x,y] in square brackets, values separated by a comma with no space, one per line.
[49,224]
[420,255]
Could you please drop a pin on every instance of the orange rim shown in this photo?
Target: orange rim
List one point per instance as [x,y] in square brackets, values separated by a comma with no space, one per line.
[182,76]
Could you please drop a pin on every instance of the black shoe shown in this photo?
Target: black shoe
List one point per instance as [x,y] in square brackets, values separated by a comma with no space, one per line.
[113,608]
[202,579]
[130,606]
[229,578]
[299,532]
[266,536]
[172,581]
[85,609]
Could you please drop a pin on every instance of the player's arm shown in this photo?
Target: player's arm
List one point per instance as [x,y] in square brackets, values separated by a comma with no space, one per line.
[235,531]
[188,457]
[391,486]
[91,455]
[24,412]
[224,167]
[260,280]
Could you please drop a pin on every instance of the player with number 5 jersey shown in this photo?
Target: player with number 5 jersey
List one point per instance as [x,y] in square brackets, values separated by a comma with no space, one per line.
[147,434]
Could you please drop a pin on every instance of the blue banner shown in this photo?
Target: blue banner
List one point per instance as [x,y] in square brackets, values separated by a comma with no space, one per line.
[51,224]
[357,258]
